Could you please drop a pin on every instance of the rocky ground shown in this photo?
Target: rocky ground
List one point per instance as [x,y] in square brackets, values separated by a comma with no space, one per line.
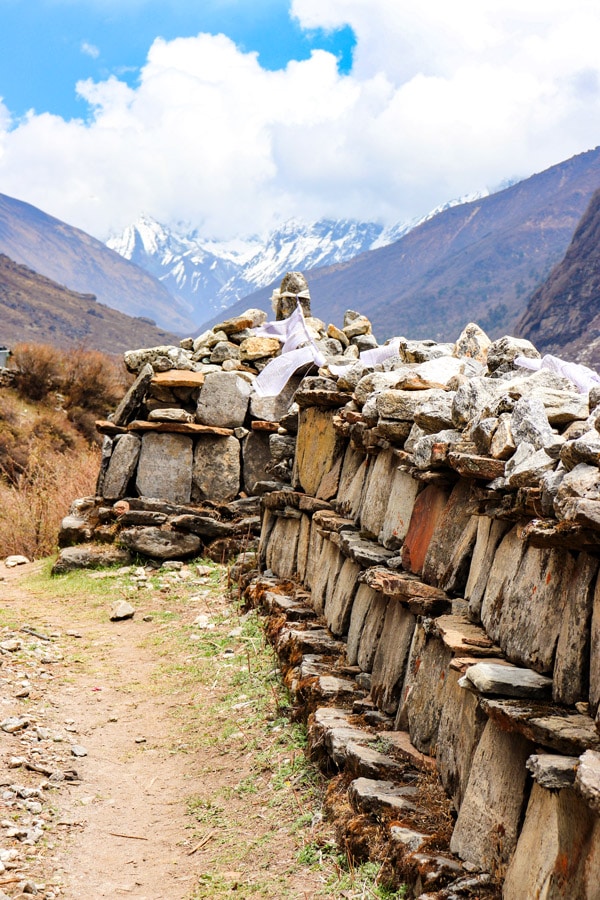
[150,757]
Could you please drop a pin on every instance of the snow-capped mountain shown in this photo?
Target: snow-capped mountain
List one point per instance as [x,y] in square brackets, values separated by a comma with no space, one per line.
[209,276]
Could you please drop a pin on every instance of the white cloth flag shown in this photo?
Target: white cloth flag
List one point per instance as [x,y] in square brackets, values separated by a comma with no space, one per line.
[582,377]
[291,332]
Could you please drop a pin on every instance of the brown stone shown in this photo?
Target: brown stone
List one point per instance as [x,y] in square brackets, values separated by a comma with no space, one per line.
[191,428]
[446,563]
[480,467]
[179,378]
[428,508]
[421,599]
[317,449]
[338,603]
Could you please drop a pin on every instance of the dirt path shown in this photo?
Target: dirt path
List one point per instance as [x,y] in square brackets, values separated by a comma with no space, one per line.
[191,784]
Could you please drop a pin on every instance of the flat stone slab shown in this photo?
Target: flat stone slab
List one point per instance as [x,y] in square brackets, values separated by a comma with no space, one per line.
[365,553]
[472,466]
[369,762]
[587,781]
[178,428]
[553,771]
[411,841]
[370,795]
[179,378]
[551,726]
[464,637]
[421,599]
[292,609]
[331,728]
[204,526]
[400,744]
[317,640]
[509,681]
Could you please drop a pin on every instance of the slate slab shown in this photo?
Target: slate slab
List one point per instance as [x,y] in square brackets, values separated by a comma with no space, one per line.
[122,466]
[509,681]
[165,467]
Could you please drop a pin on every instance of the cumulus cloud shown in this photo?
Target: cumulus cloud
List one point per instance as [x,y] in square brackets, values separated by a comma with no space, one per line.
[441,100]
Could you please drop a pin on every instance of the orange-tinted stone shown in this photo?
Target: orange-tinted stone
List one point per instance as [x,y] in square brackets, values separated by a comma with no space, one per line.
[428,508]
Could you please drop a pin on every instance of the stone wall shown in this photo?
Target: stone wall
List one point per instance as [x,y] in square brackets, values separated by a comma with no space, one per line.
[429,559]
[443,526]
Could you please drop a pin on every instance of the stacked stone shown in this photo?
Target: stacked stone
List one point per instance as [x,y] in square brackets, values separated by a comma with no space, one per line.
[441,531]
[191,441]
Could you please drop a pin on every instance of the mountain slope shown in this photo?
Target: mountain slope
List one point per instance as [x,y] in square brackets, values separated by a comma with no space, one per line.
[479,261]
[563,315]
[34,308]
[71,257]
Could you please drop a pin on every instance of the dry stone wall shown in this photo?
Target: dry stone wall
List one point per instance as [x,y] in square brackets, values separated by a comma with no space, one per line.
[429,553]
[456,564]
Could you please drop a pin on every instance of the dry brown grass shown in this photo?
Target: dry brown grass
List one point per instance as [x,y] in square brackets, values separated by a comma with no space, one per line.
[31,510]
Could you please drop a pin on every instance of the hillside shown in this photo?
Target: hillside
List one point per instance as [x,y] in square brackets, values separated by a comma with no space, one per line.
[75,259]
[563,316]
[34,308]
[479,261]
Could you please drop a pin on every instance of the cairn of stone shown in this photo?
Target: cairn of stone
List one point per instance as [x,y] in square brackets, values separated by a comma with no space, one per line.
[192,447]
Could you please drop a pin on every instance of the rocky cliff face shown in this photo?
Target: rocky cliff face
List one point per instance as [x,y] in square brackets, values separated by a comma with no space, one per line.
[563,316]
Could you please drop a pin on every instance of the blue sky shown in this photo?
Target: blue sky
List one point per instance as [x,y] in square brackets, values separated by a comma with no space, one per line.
[47,46]
[231,116]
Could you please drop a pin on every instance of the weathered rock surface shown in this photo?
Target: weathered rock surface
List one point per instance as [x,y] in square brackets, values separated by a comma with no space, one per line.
[160,544]
[165,467]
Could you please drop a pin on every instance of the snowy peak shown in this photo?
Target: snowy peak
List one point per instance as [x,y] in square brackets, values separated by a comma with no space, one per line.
[210,275]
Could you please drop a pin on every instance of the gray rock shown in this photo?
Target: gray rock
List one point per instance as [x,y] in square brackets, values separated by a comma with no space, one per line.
[431,451]
[527,465]
[471,399]
[585,449]
[493,800]
[402,405]
[121,610]
[129,406]
[369,795]
[224,350]
[473,343]
[165,467]
[159,544]
[256,459]
[170,415]
[556,856]
[78,751]
[216,472]
[89,557]
[122,465]
[389,663]
[410,840]
[502,352]
[223,400]
[502,444]
[375,500]
[552,771]
[529,423]
[282,447]
[587,780]
[274,409]
[508,681]
[401,500]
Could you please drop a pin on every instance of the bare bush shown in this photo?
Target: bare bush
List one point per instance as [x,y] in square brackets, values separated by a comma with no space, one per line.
[31,510]
[38,369]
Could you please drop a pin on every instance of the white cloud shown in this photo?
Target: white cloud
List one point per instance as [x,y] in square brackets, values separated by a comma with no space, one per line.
[89,50]
[441,100]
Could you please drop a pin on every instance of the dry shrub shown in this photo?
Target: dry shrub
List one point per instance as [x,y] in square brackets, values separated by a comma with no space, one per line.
[31,510]
[92,381]
[38,369]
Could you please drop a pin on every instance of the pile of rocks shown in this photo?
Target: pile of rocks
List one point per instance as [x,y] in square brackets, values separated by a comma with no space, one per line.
[191,442]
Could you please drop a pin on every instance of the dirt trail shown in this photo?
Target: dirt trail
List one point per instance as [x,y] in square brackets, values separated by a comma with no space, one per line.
[124,827]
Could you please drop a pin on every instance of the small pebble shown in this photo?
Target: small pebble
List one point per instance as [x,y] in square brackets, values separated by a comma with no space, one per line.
[78,750]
